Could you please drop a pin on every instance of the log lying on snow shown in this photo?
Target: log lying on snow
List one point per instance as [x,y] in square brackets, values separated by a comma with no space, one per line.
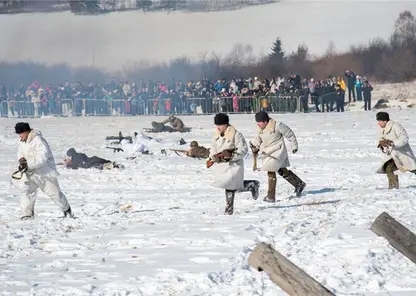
[284,273]
[401,238]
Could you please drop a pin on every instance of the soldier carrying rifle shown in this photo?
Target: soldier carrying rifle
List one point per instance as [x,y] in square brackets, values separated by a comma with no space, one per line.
[195,151]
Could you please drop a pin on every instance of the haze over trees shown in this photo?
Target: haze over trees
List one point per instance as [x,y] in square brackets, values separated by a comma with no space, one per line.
[93,7]
[391,60]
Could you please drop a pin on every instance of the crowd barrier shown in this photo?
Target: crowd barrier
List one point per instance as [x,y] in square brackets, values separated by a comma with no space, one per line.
[180,106]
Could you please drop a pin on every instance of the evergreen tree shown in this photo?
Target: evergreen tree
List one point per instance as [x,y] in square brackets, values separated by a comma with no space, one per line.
[277,53]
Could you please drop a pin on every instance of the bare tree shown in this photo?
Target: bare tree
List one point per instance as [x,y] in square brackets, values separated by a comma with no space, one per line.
[404,30]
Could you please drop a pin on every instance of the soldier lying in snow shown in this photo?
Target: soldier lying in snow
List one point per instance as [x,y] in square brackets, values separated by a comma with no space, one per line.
[194,151]
[134,149]
[160,127]
[197,151]
[175,122]
[176,126]
[80,160]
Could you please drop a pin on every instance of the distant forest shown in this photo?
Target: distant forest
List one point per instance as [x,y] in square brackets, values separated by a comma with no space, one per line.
[391,60]
[94,7]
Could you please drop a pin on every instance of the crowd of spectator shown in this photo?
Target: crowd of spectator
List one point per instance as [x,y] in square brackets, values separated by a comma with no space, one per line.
[204,96]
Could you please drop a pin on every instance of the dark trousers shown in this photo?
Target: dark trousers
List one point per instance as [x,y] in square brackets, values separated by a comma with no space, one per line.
[351,90]
[367,104]
[340,103]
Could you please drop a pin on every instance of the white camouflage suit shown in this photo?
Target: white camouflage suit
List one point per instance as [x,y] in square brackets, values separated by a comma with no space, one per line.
[41,174]
[401,152]
[229,175]
[271,142]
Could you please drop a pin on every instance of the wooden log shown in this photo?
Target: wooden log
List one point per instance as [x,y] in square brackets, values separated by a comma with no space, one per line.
[284,273]
[401,238]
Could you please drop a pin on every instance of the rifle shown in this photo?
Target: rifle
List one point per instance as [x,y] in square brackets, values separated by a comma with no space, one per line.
[210,162]
[115,149]
[179,150]
[17,175]
[255,154]
[120,138]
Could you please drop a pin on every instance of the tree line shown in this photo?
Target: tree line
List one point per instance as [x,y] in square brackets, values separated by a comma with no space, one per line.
[392,60]
[93,7]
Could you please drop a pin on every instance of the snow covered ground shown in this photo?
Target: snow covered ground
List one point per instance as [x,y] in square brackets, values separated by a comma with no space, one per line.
[175,240]
[395,91]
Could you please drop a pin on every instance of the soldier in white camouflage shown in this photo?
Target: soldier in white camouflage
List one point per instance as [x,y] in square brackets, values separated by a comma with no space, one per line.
[270,141]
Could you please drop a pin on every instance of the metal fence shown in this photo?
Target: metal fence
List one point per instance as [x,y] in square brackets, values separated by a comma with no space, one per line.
[179,106]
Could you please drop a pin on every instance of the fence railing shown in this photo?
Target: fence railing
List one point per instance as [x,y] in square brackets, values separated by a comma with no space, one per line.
[160,106]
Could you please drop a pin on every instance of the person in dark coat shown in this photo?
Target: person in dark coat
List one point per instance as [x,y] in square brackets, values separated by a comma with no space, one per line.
[78,160]
[367,89]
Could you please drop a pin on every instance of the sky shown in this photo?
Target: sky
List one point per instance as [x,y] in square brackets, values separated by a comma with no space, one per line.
[119,40]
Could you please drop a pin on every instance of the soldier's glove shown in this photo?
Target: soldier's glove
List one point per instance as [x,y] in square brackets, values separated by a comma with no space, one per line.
[254,149]
[384,143]
[22,164]
[294,151]
[217,157]
[227,155]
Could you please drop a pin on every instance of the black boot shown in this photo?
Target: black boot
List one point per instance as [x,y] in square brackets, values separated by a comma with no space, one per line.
[26,218]
[229,200]
[253,187]
[68,213]
[271,189]
[294,180]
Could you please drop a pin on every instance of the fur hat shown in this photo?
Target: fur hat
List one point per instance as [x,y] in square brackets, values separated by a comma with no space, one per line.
[194,144]
[22,127]
[221,119]
[262,116]
[70,152]
[382,116]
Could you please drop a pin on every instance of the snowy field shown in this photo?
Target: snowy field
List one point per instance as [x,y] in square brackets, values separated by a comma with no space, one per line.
[174,238]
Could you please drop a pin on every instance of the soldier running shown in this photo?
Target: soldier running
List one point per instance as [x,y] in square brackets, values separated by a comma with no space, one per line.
[227,152]
[394,143]
[271,142]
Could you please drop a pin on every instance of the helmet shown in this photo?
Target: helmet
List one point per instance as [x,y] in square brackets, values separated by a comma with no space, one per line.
[194,144]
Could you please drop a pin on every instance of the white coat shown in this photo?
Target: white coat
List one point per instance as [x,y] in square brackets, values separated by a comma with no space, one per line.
[229,175]
[41,174]
[133,149]
[401,152]
[39,157]
[270,142]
